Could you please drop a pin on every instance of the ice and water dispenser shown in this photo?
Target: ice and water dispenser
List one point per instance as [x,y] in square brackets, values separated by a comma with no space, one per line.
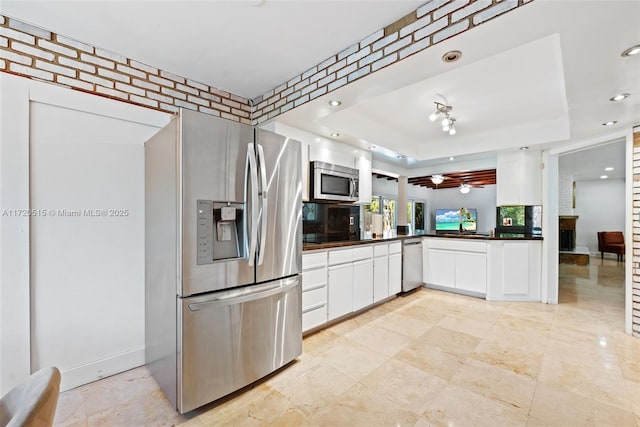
[220,231]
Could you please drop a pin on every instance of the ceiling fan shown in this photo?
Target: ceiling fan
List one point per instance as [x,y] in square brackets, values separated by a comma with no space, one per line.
[465,187]
[438,178]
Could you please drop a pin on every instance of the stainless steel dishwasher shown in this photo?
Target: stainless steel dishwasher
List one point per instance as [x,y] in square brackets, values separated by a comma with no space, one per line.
[411,264]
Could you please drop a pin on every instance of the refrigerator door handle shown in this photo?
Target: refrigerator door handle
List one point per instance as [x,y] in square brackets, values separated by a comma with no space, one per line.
[253,209]
[237,297]
[264,205]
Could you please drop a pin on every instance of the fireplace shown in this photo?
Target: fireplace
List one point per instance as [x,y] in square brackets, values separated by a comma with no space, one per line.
[567,232]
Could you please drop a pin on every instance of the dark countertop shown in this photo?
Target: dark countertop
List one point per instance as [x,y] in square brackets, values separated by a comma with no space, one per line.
[499,236]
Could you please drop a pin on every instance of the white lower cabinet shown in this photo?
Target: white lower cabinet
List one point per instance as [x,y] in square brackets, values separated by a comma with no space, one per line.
[380,278]
[362,284]
[395,273]
[515,271]
[340,283]
[336,282]
[471,272]
[441,268]
[456,264]
[499,270]
[314,290]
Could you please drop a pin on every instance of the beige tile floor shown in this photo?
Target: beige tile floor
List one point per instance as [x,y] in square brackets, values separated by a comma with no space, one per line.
[429,359]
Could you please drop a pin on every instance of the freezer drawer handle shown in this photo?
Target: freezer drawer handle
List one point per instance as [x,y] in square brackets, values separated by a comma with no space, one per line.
[244,296]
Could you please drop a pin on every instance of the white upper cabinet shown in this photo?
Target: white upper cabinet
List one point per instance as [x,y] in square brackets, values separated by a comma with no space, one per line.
[363,164]
[316,147]
[519,178]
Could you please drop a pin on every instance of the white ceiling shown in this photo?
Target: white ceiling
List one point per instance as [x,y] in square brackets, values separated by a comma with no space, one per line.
[232,45]
[589,164]
[540,75]
[399,115]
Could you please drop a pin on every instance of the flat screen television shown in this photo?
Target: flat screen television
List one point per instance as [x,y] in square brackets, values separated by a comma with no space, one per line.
[449,219]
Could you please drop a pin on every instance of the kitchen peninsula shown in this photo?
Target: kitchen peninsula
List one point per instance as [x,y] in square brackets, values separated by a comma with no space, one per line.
[341,278]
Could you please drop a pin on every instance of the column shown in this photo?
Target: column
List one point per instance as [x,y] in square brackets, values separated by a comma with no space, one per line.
[402,226]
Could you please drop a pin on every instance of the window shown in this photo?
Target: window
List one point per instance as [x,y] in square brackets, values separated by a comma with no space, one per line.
[389,215]
[386,207]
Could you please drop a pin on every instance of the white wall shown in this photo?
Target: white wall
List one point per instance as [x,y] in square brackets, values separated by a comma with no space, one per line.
[72,288]
[482,199]
[316,147]
[388,188]
[600,206]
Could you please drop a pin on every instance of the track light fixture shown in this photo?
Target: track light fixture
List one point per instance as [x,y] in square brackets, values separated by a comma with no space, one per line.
[441,110]
[452,127]
[447,121]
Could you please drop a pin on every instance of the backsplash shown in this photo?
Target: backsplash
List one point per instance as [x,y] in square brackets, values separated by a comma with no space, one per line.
[327,222]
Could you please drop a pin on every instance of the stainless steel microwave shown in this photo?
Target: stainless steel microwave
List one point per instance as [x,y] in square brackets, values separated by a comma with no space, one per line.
[332,182]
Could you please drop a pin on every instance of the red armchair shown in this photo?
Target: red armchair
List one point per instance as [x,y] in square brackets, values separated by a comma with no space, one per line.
[612,242]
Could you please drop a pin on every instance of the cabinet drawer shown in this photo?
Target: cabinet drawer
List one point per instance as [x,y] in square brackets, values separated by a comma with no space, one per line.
[314,298]
[314,278]
[457,245]
[380,250]
[314,318]
[340,256]
[395,248]
[314,260]
[362,252]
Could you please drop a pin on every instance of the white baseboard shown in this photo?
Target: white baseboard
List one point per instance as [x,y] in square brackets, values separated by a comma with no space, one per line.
[84,374]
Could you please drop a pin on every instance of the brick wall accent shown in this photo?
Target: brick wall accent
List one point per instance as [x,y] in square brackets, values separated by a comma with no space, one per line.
[565,195]
[39,54]
[635,298]
[35,53]
[431,23]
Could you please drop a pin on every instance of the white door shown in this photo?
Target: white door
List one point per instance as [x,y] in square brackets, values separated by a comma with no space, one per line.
[471,272]
[87,253]
[395,273]
[380,278]
[441,270]
[362,284]
[340,290]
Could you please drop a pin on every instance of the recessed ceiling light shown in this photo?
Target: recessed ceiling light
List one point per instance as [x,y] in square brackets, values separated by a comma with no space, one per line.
[451,158]
[452,56]
[524,148]
[603,177]
[610,123]
[608,168]
[400,157]
[334,134]
[620,97]
[335,103]
[633,50]
[373,147]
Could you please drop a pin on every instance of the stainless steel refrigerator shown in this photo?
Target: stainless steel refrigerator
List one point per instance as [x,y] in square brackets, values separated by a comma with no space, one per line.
[223,256]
